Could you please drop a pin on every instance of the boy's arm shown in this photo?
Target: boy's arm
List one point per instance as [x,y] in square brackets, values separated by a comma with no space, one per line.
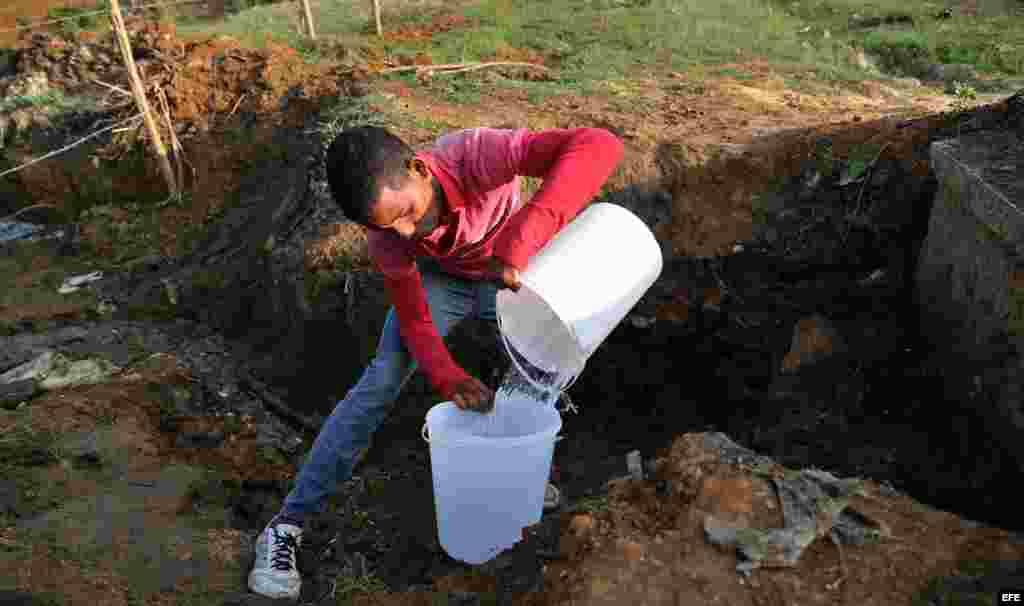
[419,333]
[574,163]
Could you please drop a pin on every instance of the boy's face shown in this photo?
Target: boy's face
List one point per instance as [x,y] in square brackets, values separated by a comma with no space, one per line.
[410,212]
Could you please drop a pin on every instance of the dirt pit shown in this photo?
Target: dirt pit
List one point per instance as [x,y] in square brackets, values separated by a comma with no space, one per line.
[645,544]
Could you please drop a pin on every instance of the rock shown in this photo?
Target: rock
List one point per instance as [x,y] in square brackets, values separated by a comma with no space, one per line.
[14,393]
[581,524]
[814,338]
[19,598]
[9,499]
[632,551]
[952,72]
[721,496]
[32,369]
[199,439]
[83,449]
[463,598]
[907,82]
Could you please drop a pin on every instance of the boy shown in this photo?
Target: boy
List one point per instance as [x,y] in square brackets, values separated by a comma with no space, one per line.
[447,228]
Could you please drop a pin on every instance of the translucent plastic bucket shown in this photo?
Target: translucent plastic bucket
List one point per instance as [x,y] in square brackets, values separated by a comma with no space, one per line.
[488,487]
[575,291]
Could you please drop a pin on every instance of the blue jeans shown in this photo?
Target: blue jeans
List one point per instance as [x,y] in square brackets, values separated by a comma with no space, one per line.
[347,431]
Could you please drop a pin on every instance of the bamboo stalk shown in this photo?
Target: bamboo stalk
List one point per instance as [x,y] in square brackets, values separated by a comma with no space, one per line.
[376,16]
[309,20]
[140,97]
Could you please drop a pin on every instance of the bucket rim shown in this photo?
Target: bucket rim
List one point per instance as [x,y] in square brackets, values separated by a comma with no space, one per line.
[580,355]
[500,440]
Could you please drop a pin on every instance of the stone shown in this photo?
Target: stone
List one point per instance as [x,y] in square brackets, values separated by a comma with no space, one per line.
[31,369]
[726,495]
[968,292]
[632,551]
[907,82]
[199,439]
[952,72]
[14,393]
[814,338]
[20,598]
[581,524]
[9,499]
[83,449]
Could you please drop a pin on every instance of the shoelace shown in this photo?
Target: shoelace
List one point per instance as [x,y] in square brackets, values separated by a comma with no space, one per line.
[284,551]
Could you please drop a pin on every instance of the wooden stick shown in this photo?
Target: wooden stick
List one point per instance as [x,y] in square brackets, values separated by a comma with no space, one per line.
[112,87]
[376,16]
[309,20]
[175,144]
[237,103]
[140,96]
[453,68]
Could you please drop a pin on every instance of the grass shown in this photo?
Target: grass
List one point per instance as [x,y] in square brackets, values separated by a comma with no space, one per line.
[992,41]
[591,41]
[592,505]
[41,291]
[349,586]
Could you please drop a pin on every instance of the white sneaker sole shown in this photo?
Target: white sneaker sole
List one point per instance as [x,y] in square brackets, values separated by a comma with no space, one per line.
[274,587]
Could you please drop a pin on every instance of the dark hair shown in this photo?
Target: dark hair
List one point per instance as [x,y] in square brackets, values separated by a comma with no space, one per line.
[359,161]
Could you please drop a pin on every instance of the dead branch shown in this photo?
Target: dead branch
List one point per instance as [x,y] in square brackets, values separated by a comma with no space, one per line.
[237,103]
[455,68]
[112,87]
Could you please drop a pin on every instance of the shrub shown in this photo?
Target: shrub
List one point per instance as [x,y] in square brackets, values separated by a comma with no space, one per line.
[900,51]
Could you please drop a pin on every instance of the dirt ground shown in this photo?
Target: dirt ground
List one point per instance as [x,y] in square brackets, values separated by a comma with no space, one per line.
[640,547]
[642,544]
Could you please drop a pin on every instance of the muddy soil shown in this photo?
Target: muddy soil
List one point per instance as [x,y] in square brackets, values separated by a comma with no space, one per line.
[708,350]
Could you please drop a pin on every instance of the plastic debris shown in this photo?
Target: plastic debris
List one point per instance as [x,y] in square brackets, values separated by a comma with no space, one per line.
[814,504]
[52,371]
[73,283]
[10,231]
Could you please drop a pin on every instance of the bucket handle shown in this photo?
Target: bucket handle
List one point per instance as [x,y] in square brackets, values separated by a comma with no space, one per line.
[522,371]
[425,434]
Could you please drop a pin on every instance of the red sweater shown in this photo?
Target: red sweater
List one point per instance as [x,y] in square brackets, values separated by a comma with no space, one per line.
[479,170]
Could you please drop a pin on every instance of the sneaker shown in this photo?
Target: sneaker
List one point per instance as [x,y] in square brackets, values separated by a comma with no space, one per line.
[552,497]
[274,574]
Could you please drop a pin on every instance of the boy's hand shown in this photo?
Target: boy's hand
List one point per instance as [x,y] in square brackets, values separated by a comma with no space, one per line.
[471,394]
[505,275]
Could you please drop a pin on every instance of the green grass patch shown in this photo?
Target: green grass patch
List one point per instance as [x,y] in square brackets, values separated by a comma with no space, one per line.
[904,52]
[992,41]
[80,19]
[346,112]
[54,101]
[42,291]
[589,40]
[592,504]
[350,586]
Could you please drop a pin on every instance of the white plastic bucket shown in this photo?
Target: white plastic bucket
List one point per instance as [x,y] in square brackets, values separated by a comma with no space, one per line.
[575,291]
[486,489]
